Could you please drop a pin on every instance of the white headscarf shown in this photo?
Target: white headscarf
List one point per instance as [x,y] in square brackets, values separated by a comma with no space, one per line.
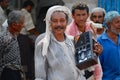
[50,11]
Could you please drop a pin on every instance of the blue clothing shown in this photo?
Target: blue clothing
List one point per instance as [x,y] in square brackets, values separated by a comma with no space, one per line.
[110,58]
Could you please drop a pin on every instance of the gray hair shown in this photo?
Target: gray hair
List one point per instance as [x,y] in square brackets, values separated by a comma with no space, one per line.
[98,9]
[14,16]
[109,17]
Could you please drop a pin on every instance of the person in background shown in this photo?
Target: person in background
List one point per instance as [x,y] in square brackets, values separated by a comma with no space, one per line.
[54,52]
[26,39]
[10,60]
[29,28]
[41,9]
[110,40]
[97,16]
[3,15]
[79,25]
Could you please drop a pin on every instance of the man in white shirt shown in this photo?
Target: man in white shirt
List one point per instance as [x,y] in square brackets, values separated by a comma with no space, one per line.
[3,16]
[26,42]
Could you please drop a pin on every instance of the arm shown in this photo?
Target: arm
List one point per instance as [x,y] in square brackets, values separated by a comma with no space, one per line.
[34,31]
[40,64]
[29,25]
[98,71]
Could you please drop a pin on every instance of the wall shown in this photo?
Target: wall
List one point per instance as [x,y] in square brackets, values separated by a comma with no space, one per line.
[91,3]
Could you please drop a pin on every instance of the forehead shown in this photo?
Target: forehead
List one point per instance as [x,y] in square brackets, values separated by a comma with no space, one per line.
[58,14]
[116,18]
[78,11]
[98,13]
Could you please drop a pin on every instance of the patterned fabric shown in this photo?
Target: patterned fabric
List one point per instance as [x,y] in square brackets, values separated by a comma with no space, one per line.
[109,5]
[28,22]
[9,50]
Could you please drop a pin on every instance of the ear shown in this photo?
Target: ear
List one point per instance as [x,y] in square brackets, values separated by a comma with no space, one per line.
[91,18]
[13,24]
[73,16]
[108,24]
[88,14]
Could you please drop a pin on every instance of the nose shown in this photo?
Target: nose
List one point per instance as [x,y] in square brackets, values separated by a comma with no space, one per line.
[58,23]
[81,17]
[97,19]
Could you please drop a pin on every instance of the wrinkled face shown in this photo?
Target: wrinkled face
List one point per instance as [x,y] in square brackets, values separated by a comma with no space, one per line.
[80,17]
[115,25]
[58,22]
[97,17]
[18,26]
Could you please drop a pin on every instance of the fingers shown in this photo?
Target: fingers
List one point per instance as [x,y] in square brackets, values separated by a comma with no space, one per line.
[98,48]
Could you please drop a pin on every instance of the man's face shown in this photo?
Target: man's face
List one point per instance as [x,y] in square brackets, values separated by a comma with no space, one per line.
[115,25]
[5,4]
[30,8]
[97,17]
[18,26]
[80,17]
[58,22]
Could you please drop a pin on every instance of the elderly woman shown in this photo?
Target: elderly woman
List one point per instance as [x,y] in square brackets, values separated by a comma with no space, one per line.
[110,40]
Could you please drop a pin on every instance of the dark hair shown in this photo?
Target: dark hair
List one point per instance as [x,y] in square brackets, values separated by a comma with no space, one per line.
[28,3]
[80,6]
[1,0]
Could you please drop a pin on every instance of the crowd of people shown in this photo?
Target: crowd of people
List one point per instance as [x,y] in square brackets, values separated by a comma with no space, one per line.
[25,54]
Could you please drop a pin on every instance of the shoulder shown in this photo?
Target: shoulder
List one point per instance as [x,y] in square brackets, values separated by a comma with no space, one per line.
[101,39]
[70,37]
[39,38]
[71,25]
[2,37]
[25,12]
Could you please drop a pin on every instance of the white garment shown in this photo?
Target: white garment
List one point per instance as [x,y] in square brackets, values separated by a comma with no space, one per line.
[28,22]
[52,62]
[2,18]
[58,63]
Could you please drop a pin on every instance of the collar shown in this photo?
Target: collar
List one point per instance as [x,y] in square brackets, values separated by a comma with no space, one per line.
[105,36]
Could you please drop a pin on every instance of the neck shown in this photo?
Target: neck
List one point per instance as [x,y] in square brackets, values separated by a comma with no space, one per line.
[12,31]
[81,28]
[59,37]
